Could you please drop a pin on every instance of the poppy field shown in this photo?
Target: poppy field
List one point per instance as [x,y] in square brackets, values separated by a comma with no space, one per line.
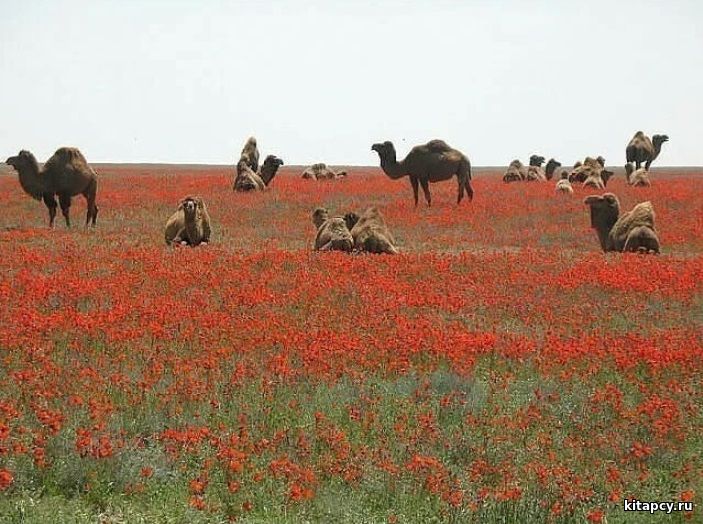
[500,369]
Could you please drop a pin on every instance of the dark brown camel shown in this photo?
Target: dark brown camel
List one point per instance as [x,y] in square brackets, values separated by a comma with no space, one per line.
[434,161]
[66,174]
[642,149]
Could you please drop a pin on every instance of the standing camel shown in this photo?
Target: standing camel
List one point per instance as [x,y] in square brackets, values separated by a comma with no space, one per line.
[642,149]
[434,161]
[66,174]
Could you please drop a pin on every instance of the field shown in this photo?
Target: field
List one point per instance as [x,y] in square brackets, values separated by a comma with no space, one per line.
[500,369]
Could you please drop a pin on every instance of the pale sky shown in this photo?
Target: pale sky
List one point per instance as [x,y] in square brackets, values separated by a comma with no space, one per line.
[320,81]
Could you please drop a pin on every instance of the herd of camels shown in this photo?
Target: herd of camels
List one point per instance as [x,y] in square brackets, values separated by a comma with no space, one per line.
[67,174]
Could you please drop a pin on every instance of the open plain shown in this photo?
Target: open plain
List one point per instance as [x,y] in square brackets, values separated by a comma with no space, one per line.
[500,365]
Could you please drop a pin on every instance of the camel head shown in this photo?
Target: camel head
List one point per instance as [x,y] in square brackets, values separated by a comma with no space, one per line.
[189,205]
[536,160]
[23,159]
[251,141]
[320,216]
[384,149]
[565,174]
[577,164]
[601,161]
[551,167]
[272,161]
[604,213]
[658,140]
[351,219]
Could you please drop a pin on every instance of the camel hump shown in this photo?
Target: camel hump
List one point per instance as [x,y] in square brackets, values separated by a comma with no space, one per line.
[643,213]
[68,155]
[438,146]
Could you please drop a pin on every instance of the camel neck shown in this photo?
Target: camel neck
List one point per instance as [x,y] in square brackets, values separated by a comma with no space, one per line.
[267,175]
[391,167]
[31,182]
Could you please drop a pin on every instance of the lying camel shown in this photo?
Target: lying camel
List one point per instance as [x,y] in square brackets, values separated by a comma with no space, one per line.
[190,224]
[322,172]
[332,232]
[633,231]
[370,232]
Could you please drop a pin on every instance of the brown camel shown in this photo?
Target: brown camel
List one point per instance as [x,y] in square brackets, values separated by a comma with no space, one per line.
[248,180]
[65,174]
[322,172]
[190,224]
[535,173]
[642,149]
[563,185]
[551,168]
[637,178]
[370,232]
[516,172]
[591,170]
[332,233]
[633,231]
[250,154]
[434,161]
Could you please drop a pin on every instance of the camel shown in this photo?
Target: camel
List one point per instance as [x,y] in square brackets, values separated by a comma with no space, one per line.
[563,185]
[269,168]
[598,179]
[434,161]
[632,232]
[322,172]
[582,170]
[638,178]
[250,154]
[248,180]
[370,232]
[535,173]
[190,224]
[516,172]
[551,168]
[591,173]
[66,174]
[332,233]
[641,149]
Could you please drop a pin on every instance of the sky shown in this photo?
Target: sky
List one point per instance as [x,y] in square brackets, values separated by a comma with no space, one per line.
[320,81]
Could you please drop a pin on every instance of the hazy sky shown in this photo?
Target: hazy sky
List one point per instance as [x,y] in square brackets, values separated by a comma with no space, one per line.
[188,81]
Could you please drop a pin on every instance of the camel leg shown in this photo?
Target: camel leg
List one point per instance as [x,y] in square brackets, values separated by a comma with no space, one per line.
[90,196]
[460,195]
[50,202]
[469,189]
[65,203]
[416,187]
[426,189]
